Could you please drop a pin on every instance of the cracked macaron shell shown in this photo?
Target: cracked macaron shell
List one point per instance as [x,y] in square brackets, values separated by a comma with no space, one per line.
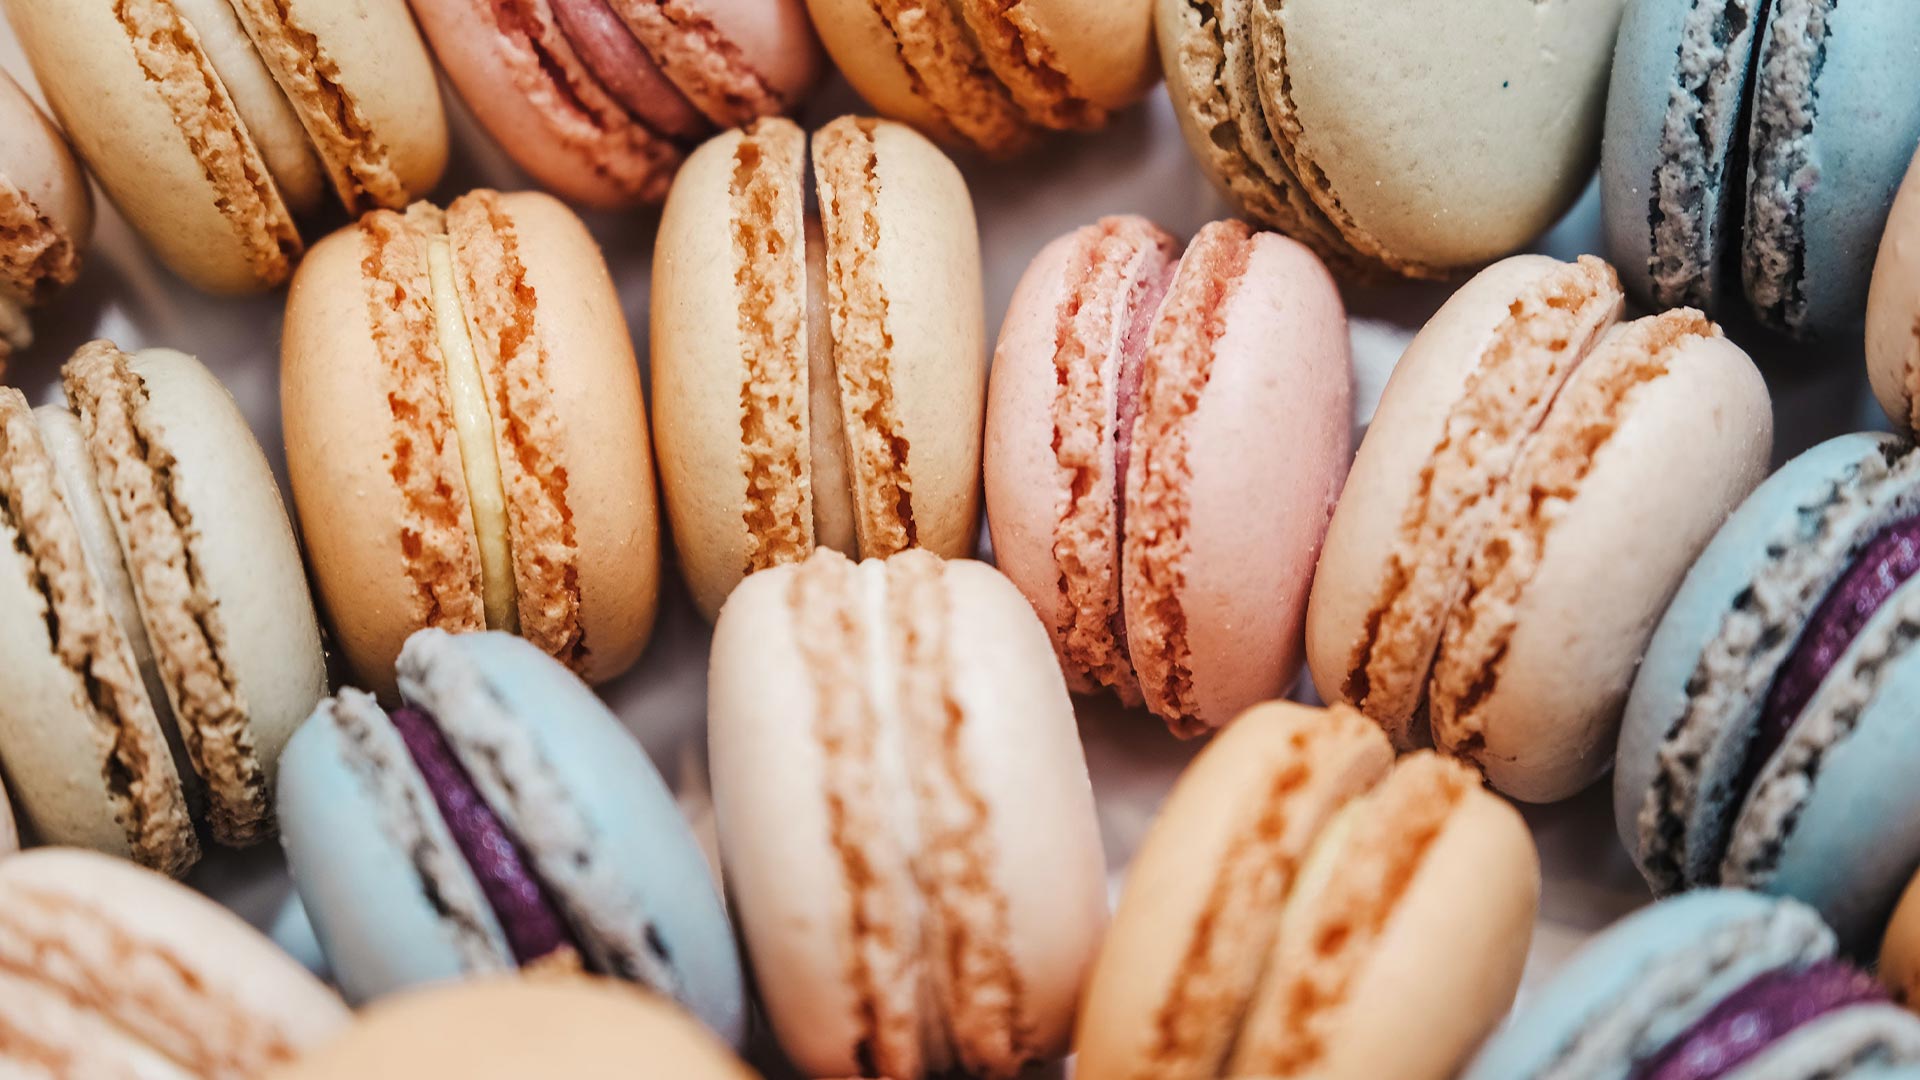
[925,263]
[1893,309]
[46,206]
[154,964]
[777,817]
[578,408]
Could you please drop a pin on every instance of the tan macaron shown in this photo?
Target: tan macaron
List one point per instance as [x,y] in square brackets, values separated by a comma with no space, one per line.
[46,214]
[1296,887]
[466,437]
[817,382]
[214,124]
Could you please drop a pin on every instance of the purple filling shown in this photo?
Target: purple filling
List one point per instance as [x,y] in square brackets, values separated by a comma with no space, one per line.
[1755,1017]
[1888,560]
[532,923]
[1144,303]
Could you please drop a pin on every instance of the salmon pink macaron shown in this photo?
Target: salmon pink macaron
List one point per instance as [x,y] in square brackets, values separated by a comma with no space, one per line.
[601,99]
[1166,435]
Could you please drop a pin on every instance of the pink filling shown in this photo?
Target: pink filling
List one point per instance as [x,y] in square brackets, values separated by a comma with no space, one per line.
[1143,304]
[623,66]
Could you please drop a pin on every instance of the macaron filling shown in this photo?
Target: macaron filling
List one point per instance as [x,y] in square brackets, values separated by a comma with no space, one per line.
[1143,303]
[1757,1016]
[532,923]
[625,69]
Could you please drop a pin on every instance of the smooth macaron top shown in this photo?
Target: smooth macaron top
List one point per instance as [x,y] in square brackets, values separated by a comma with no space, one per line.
[913,897]
[44,200]
[1893,310]
[466,436]
[818,377]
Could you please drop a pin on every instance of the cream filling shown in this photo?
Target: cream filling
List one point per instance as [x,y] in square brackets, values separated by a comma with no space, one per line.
[473,426]
[833,513]
[263,106]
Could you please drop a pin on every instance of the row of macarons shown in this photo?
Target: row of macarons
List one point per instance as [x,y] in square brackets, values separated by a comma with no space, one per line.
[1756,127]
[912,899]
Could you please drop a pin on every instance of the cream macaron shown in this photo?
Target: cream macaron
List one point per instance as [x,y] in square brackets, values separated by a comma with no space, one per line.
[215,125]
[818,380]
[46,214]
[466,436]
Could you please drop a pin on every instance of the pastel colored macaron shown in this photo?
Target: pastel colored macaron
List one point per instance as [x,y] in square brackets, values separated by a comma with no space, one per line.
[1779,131]
[1296,887]
[159,643]
[818,378]
[1767,740]
[114,971]
[1536,480]
[216,126]
[1893,310]
[466,436]
[1899,964]
[508,1029]
[1413,139]
[501,818]
[601,99]
[990,75]
[46,214]
[1718,983]
[905,818]
[1166,436]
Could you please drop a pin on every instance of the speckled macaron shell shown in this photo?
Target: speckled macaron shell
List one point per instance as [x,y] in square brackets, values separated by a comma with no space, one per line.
[1815,214]
[1668,156]
[1439,138]
[1646,979]
[1784,514]
[784,827]
[37,168]
[1893,309]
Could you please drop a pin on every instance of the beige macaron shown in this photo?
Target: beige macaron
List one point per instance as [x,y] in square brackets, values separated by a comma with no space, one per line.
[46,214]
[215,124]
[466,437]
[1296,887]
[817,381]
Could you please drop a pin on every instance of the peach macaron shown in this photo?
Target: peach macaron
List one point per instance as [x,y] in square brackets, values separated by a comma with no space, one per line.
[1166,436]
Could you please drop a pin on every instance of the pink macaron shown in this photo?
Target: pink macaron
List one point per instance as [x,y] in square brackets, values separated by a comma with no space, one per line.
[1166,436]
[601,99]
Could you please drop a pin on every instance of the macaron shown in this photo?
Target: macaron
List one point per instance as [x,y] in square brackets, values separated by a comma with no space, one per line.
[509,1029]
[1893,309]
[156,629]
[501,818]
[601,99]
[818,377]
[466,437]
[46,214]
[1779,131]
[1298,886]
[1767,739]
[1899,964]
[1410,139]
[1718,983]
[110,970]
[1166,436]
[989,75]
[216,126]
[1537,478]
[905,817]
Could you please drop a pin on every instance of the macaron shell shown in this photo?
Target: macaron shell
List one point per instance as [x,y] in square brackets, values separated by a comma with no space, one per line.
[1893,308]
[1838,1044]
[769,43]
[1899,965]
[49,1026]
[863,47]
[269,118]
[594,1029]
[1268,446]
[120,122]
[1103,49]
[36,164]
[1463,170]
[1686,448]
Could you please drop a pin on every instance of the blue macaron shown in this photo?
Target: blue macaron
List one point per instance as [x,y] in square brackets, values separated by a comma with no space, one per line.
[1779,129]
[501,818]
[1714,983]
[1769,739]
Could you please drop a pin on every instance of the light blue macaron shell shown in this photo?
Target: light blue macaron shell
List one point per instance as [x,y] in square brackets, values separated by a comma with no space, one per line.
[1866,125]
[361,890]
[621,795]
[1610,970]
[1730,562]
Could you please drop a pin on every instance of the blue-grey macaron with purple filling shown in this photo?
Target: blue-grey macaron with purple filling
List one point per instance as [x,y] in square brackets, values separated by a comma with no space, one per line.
[501,818]
[1770,739]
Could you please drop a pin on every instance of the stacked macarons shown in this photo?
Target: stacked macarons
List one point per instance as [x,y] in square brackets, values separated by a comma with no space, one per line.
[1166,436]
[155,628]
[1768,742]
[1770,136]
[46,215]
[217,125]
[1536,481]
[601,99]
